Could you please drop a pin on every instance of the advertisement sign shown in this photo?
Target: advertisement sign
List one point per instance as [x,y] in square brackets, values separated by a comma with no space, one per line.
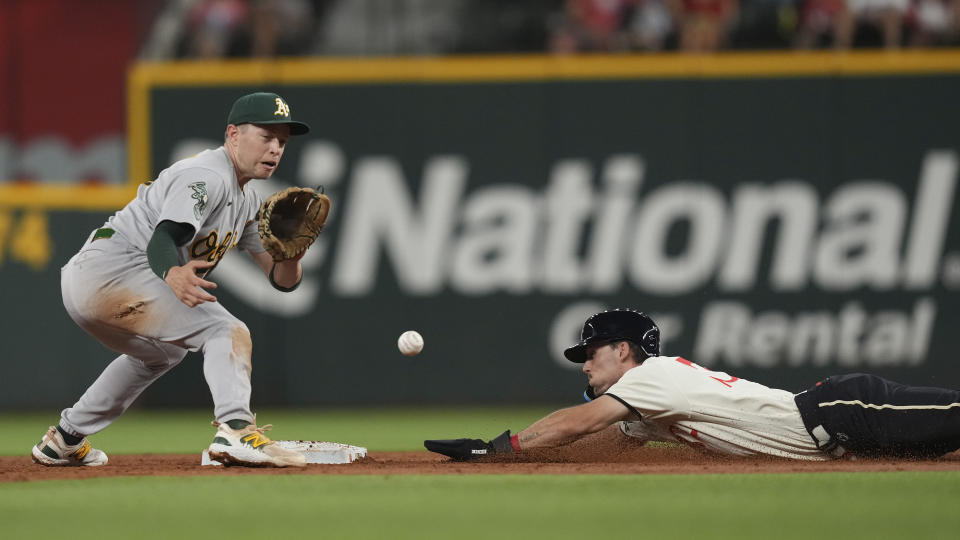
[780,225]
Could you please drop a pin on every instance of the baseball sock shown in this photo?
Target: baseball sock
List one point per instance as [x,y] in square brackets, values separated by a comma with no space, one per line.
[68,438]
[237,424]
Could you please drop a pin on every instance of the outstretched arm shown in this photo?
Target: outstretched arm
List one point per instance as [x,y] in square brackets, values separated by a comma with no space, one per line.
[567,425]
[559,428]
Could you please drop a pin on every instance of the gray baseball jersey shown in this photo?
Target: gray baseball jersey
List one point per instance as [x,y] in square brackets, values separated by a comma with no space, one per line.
[111,292]
[679,401]
[203,192]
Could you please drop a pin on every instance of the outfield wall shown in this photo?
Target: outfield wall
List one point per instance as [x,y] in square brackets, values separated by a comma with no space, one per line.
[785,216]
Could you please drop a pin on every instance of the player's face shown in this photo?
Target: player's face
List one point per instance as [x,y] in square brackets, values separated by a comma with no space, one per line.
[257,149]
[604,365]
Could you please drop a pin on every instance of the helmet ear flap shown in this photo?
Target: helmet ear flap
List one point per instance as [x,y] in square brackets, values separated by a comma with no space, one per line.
[650,343]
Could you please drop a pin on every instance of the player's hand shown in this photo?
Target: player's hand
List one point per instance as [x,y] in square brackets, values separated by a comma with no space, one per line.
[185,283]
[465,449]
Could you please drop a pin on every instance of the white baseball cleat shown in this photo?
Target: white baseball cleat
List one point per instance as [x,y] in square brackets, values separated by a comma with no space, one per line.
[54,452]
[249,447]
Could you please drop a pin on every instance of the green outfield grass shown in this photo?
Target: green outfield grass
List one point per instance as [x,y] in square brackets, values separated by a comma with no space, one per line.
[845,505]
[888,505]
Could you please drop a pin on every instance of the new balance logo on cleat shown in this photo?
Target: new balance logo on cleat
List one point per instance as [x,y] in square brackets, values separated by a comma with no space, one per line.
[249,447]
[82,451]
[255,440]
[53,451]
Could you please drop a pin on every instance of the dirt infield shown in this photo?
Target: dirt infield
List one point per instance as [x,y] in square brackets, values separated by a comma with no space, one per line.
[571,460]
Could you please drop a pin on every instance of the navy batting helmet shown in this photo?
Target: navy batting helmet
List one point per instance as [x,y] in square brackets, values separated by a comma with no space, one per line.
[617,325]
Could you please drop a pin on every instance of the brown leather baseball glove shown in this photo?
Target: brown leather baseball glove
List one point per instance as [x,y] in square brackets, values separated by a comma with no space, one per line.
[290,220]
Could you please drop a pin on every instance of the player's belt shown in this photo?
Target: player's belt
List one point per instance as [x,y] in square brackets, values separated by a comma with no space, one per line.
[826,442]
[807,405]
[102,233]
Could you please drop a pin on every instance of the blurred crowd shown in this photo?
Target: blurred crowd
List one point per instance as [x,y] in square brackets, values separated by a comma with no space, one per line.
[269,28]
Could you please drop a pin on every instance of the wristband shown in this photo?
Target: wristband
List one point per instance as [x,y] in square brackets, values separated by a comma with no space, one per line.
[515,442]
[280,287]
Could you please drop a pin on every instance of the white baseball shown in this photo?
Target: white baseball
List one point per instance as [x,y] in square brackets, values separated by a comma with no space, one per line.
[410,343]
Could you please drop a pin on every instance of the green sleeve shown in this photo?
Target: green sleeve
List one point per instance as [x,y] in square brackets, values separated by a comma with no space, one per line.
[162,248]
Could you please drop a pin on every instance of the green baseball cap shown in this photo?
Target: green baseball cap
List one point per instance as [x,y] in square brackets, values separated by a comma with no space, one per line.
[264,108]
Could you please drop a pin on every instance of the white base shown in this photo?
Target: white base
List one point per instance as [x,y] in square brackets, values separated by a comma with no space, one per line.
[326,453]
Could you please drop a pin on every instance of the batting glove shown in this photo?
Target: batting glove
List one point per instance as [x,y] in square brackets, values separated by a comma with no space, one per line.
[466,449]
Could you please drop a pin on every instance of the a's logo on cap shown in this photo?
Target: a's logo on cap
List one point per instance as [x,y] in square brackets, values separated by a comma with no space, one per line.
[282,108]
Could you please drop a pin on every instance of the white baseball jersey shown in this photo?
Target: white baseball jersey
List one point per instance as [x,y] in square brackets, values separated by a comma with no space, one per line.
[201,191]
[679,401]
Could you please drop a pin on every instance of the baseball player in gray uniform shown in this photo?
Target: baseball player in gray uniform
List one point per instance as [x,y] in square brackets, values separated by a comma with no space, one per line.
[138,285]
[670,398]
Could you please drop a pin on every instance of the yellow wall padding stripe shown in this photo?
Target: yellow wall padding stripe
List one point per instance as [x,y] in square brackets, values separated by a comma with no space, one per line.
[42,196]
[488,68]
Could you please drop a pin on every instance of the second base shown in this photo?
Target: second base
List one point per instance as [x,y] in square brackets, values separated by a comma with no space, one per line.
[320,452]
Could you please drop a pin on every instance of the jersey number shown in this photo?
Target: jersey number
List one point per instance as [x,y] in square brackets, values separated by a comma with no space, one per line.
[725,382]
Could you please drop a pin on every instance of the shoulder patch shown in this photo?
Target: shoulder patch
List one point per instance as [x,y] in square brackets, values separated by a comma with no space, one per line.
[200,194]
